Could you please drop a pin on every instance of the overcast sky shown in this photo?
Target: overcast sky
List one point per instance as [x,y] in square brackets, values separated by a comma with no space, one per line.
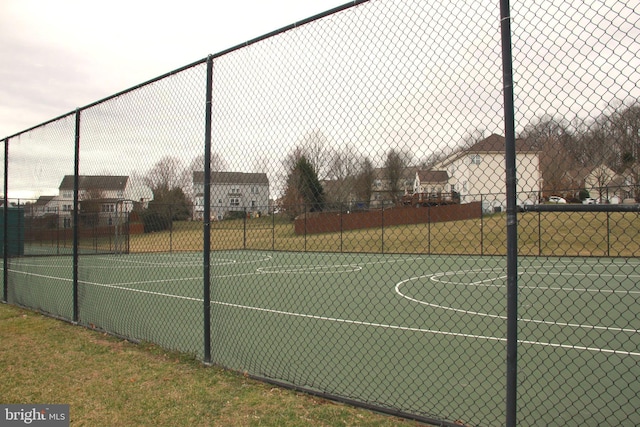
[63,54]
[403,74]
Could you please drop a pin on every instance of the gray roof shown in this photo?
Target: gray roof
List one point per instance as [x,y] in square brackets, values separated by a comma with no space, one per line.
[496,143]
[95,182]
[232,178]
[43,200]
[433,176]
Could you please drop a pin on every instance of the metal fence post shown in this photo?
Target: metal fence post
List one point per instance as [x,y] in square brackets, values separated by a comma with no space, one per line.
[608,234]
[244,228]
[428,229]
[382,228]
[206,291]
[5,249]
[481,225]
[539,234]
[76,214]
[341,237]
[170,228]
[512,220]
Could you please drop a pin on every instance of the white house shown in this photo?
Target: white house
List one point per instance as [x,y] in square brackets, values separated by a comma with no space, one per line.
[45,205]
[232,192]
[431,181]
[109,193]
[607,186]
[478,173]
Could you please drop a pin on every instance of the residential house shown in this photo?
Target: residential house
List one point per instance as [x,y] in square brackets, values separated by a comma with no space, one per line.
[104,195]
[381,194]
[478,173]
[431,182]
[631,182]
[232,192]
[574,179]
[43,206]
[607,186]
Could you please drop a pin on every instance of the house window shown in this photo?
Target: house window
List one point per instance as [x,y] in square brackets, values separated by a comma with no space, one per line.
[253,203]
[476,159]
[108,208]
[254,190]
[234,201]
[67,222]
[67,194]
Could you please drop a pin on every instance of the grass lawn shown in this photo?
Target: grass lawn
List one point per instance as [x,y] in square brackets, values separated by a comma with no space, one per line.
[545,234]
[111,382]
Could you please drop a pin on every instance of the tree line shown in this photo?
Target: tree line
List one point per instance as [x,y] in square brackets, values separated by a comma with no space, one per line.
[316,175]
[568,149]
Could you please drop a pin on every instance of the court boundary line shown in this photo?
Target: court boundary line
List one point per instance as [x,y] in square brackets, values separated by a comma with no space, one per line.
[503,317]
[343,321]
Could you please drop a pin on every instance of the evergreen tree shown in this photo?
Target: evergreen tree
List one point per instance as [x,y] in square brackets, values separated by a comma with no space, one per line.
[304,192]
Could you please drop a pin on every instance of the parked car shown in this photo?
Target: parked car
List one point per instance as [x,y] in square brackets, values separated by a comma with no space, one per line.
[556,199]
[589,201]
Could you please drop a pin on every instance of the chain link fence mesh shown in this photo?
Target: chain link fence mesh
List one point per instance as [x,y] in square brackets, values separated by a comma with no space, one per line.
[351,237]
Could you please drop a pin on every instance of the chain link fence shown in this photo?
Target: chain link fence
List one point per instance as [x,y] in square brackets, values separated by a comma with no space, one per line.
[349,233]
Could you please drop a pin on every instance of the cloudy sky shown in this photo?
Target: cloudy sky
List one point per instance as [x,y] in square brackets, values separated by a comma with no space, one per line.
[63,54]
[409,74]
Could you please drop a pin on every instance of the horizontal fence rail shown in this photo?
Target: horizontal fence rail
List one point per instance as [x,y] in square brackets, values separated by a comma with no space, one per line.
[429,209]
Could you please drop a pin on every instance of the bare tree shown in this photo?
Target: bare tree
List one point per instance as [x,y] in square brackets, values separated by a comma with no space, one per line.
[343,170]
[165,175]
[216,161]
[364,181]
[557,148]
[395,165]
[600,178]
[167,181]
[625,132]
[314,147]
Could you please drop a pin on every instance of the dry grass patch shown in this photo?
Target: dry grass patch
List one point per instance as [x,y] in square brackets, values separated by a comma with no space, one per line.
[548,234]
[107,382]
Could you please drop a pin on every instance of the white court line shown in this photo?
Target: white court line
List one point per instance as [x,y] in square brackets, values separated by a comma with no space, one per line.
[228,261]
[116,285]
[347,321]
[435,278]
[141,291]
[426,331]
[497,316]
[328,269]
[339,268]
